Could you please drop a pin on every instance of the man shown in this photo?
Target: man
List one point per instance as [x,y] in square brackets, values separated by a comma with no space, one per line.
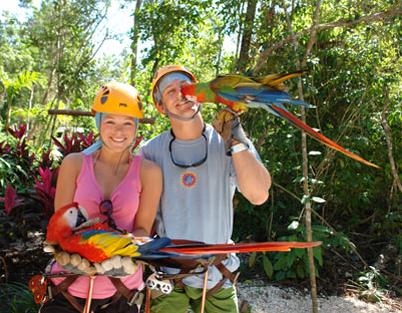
[200,172]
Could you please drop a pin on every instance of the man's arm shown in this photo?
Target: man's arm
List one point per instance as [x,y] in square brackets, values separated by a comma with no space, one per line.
[253,179]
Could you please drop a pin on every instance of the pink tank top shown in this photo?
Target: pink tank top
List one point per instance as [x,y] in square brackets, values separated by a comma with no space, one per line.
[125,199]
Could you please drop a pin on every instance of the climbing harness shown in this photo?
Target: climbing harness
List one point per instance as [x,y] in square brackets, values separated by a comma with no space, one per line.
[164,283]
[44,289]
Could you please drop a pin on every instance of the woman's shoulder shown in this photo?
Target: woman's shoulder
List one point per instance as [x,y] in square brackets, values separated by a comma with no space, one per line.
[73,160]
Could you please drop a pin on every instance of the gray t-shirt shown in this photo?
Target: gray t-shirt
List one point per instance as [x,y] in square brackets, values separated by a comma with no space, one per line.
[196,202]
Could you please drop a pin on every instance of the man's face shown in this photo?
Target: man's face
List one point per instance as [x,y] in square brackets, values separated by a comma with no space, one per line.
[174,101]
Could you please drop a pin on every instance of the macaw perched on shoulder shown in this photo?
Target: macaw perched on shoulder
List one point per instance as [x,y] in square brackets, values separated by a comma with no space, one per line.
[70,228]
[268,92]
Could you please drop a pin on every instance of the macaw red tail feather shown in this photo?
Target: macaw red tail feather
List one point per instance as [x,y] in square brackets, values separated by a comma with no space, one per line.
[317,136]
[276,246]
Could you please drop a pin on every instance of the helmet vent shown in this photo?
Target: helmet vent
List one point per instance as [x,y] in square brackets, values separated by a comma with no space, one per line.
[123,105]
[103,99]
[106,92]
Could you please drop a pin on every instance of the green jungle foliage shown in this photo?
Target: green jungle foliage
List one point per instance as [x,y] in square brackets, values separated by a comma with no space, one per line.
[16,298]
[353,79]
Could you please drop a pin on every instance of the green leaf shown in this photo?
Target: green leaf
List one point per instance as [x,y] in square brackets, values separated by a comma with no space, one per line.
[318,200]
[290,259]
[300,252]
[252,259]
[279,275]
[267,266]
[294,225]
[305,199]
[281,263]
[298,179]
[316,181]
[300,271]
[317,252]
[290,274]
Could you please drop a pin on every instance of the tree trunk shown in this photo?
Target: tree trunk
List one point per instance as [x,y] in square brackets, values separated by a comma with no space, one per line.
[306,191]
[247,33]
[396,183]
[31,95]
[134,43]
[241,24]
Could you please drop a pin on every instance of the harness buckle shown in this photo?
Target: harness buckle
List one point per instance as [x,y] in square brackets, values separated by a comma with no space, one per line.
[156,282]
[137,298]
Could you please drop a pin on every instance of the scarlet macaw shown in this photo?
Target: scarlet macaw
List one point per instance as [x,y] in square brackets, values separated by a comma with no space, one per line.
[70,229]
[268,92]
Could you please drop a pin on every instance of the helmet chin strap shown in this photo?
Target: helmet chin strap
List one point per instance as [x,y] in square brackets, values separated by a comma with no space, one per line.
[181,118]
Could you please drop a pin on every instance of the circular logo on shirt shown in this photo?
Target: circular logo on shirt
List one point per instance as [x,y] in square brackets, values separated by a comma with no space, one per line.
[188,179]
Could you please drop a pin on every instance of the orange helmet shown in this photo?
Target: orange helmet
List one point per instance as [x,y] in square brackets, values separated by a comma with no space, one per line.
[164,70]
[118,98]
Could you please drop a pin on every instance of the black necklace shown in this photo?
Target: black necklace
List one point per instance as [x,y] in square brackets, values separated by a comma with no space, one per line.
[195,164]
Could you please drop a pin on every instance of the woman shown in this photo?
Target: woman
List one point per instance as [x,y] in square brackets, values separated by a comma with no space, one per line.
[107,178]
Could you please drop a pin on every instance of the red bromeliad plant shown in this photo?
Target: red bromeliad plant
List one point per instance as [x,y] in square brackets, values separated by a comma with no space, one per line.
[77,142]
[21,152]
[45,189]
[5,148]
[39,200]
[28,182]
[46,160]
[18,132]
[10,199]
[22,149]
[137,141]
[19,159]
[86,140]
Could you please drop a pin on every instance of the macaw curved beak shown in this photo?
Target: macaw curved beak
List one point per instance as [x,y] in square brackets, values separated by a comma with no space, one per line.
[80,219]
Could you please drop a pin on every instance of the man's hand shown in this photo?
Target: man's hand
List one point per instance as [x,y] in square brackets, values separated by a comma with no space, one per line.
[227,124]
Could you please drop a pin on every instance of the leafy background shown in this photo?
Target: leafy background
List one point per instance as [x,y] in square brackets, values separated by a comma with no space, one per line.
[353,78]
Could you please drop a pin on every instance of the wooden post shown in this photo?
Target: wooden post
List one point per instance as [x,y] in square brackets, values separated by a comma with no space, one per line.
[88,113]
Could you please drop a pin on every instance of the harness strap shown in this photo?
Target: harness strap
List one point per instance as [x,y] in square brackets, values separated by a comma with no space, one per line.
[226,274]
[63,289]
[178,278]
[63,286]
[121,289]
[73,301]
[217,262]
